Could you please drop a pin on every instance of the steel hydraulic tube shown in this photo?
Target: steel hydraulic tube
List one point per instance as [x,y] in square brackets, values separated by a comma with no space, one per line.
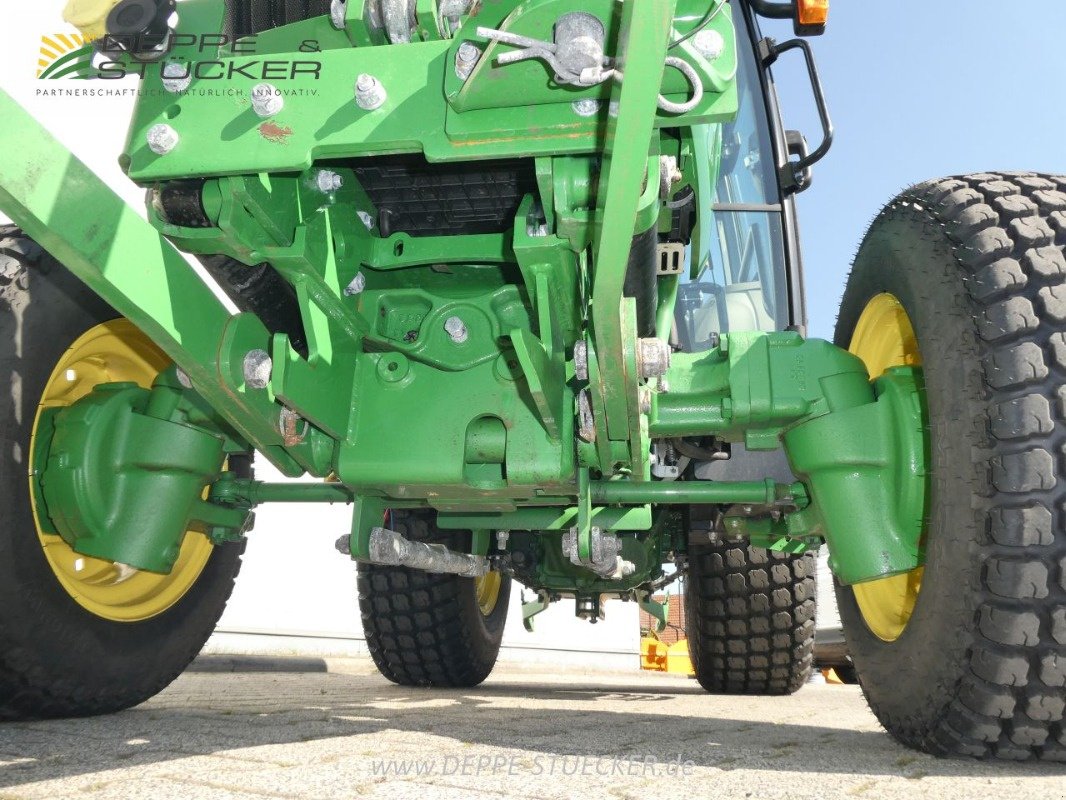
[689,492]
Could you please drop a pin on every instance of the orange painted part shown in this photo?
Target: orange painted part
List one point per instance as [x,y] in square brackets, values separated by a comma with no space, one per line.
[813,12]
[653,654]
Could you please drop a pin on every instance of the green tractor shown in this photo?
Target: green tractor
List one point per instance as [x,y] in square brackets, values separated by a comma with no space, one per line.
[520,280]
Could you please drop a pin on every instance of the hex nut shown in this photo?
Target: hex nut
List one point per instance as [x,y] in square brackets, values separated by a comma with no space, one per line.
[176,76]
[369,93]
[267,100]
[328,181]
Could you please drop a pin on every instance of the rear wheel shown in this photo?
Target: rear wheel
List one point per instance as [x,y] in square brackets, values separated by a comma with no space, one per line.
[431,629]
[750,618]
[966,277]
[79,635]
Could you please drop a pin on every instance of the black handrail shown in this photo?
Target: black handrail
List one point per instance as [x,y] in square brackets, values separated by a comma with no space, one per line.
[769,50]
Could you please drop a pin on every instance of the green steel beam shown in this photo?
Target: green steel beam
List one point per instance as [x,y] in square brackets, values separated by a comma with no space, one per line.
[252,493]
[642,49]
[549,519]
[68,210]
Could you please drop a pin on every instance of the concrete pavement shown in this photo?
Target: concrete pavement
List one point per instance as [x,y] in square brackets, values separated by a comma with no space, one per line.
[249,729]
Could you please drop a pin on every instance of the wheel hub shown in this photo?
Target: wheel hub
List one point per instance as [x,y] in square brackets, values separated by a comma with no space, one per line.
[884,338]
[112,352]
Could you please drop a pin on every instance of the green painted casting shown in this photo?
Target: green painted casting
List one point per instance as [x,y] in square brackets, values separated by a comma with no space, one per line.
[125,474]
[437,368]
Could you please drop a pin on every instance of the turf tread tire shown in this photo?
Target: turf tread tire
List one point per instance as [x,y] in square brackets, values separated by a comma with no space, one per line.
[424,628]
[56,658]
[750,618]
[977,261]
[249,17]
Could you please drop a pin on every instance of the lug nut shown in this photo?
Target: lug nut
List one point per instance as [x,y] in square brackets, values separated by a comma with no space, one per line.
[267,100]
[466,58]
[709,43]
[162,139]
[369,93]
[328,181]
[176,76]
[456,329]
[356,286]
[338,9]
[653,357]
[585,108]
[257,369]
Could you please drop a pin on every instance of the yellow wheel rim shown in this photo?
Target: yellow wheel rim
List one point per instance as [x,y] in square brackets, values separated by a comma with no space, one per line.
[884,338]
[487,589]
[111,352]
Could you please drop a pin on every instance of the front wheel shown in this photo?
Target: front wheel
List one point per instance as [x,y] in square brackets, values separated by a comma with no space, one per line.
[966,278]
[79,635]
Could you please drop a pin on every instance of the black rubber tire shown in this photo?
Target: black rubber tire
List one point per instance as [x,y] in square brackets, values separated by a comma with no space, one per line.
[247,17]
[977,262]
[56,658]
[749,618]
[423,628]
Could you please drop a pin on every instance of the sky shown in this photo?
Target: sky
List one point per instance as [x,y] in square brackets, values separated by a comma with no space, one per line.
[919,89]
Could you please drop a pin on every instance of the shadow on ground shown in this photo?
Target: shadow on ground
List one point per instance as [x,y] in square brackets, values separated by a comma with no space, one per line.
[240,715]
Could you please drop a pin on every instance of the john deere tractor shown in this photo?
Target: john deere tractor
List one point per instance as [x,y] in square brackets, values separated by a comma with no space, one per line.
[520,281]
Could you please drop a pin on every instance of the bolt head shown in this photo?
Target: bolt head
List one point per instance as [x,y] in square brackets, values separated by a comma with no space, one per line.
[338,9]
[468,52]
[183,378]
[653,357]
[267,100]
[709,43]
[162,139]
[176,76]
[585,108]
[328,181]
[356,286]
[456,329]
[466,58]
[258,367]
[369,93]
